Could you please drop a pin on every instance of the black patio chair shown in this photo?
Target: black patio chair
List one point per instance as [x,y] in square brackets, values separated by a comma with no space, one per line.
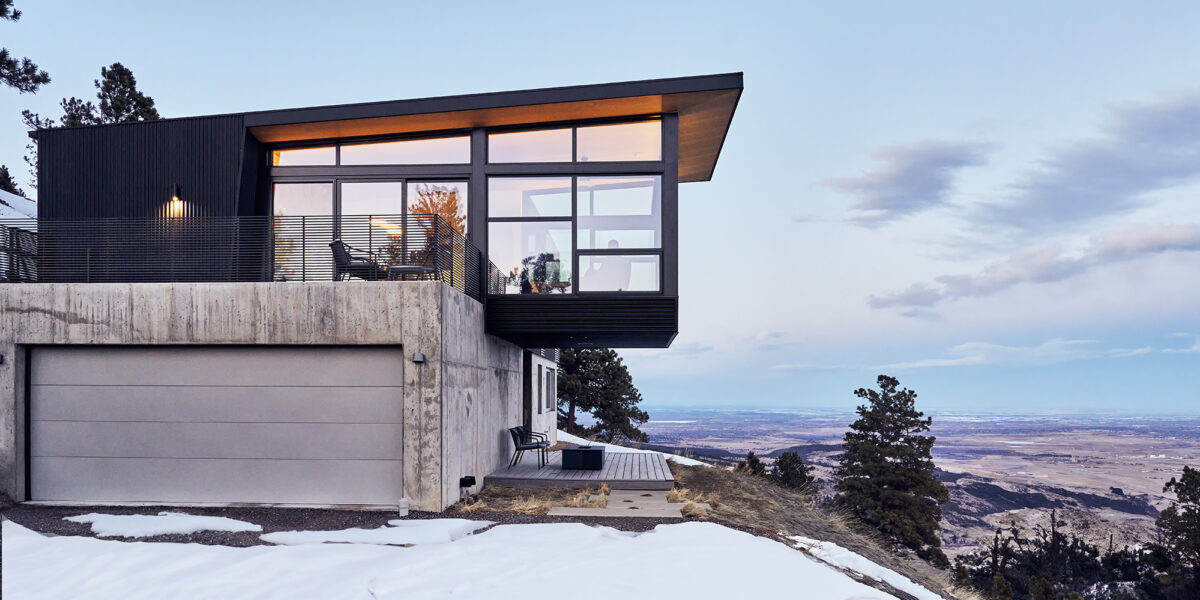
[523,440]
[346,265]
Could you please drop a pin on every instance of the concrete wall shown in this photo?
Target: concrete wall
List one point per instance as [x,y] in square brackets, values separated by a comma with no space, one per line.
[474,381]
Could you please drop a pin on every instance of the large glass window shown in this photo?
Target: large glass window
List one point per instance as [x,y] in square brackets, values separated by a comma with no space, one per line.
[619,273]
[446,199]
[326,155]
[432,151]
[624,141]
[372,198]
[301,199]
[619,212]
[529,197]
[533,257]
[545,145]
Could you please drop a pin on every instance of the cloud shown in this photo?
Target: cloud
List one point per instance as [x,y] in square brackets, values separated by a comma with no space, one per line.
[806,367]
[1134,352]
[1046,263]
[912,178]
[1144,147]
[983,353]
[1194,348]
[689,349]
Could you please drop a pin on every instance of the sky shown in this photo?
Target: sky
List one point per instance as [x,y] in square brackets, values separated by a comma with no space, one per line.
[994,202]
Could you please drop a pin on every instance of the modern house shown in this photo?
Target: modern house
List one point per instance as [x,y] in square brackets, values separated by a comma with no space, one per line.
[338,305]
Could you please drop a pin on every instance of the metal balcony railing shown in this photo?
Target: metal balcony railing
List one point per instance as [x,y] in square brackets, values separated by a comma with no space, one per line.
[226,249]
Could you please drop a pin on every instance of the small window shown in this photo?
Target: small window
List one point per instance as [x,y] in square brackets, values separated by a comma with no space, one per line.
[529,197]
[619,273]
[546,145]
[624,141]
[432,151]
[539,390]
[300,157]
[551,389]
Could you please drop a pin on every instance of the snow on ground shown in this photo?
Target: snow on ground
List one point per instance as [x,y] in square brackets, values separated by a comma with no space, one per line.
[401,531]
[683,460]
[13,206]
[688,560]
[840,557]
[160,524]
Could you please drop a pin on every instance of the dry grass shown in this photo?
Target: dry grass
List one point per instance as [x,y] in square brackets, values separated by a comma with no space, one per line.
[521,501]
[755,504]
[691,510]
[586,498]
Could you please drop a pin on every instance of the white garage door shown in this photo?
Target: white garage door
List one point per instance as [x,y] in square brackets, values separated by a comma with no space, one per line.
[305,425]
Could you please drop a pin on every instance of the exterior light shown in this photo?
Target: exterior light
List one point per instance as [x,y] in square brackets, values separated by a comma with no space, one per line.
[176,194]
[418,358]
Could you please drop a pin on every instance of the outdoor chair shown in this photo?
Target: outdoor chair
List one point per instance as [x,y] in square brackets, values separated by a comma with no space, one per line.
[523,440]
[346,265]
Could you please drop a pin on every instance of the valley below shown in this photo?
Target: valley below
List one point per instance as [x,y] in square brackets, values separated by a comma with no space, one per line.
[1103,475]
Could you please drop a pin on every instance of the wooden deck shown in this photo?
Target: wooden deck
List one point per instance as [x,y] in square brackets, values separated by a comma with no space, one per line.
[622,471]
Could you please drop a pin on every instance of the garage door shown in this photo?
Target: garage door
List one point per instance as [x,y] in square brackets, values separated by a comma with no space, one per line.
[306,425]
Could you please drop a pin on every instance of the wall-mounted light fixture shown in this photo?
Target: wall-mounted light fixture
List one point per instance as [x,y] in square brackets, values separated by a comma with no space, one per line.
[176,193]
[175,207]
[418,358]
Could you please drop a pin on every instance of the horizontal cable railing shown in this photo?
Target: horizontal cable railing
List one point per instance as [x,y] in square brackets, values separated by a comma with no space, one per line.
[257,248]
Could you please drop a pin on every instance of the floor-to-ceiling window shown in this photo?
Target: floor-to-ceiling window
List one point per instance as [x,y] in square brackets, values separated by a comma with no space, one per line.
[577,233]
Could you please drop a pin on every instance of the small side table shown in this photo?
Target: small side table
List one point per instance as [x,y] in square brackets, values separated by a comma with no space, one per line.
[403,272]
[583,458]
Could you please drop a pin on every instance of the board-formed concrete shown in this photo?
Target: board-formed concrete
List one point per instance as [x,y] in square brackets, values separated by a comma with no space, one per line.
[457,404]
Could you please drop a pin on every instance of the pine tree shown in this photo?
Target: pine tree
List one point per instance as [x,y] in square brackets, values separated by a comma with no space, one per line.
[1180,527]
[597,381]
[21,74]
[120,100]
[34,122]
[1001,588]
[8,184]
[77,112]
[752,465]
[886,471]
[791,472]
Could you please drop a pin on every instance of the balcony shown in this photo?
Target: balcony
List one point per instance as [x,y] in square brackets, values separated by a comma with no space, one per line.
[232,249]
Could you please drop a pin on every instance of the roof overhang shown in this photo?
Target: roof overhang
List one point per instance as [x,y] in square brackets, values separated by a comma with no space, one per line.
[705,105]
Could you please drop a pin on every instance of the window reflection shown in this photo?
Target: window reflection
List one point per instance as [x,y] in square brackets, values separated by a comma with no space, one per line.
[301,229]
[296,199]
[446,199]
[546,145]
[620,212]
[533,257]
[624,141]
[433,151]
[299,157]
[619,273]
[529,197]
[372,198]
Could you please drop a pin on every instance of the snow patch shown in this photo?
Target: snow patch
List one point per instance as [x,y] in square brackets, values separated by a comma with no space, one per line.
[401,532]
[507,561]
[614,448]
[13,206]
[161,524]
[837,556]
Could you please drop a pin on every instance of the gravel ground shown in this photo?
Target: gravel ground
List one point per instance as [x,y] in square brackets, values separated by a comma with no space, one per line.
[49,520]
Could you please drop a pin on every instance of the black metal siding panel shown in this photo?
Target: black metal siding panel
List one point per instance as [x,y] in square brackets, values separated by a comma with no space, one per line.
[129,170]
[584,321]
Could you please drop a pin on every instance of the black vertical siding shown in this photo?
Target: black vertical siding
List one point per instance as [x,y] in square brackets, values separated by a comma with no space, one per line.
[128,171]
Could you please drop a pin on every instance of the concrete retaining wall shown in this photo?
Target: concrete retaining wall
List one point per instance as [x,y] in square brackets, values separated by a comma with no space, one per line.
[456,405]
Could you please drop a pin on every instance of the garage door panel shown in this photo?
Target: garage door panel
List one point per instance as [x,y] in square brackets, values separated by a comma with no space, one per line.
[218,440]
[265,424]
[229,365]
[235,403]
[207,480]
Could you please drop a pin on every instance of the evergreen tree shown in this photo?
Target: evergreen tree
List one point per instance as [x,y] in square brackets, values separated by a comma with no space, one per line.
[120,100]
[886,471]
[34,122]
[21,73]
[1001,589]
[596,381]
[8,184]
[77,112]
[752,465]
[1180,527]
[791,472]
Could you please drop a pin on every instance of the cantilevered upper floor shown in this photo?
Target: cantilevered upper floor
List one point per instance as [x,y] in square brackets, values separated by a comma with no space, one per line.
[557,207]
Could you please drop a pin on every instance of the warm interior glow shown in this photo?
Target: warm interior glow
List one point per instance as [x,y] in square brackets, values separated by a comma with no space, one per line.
[175,208]
[390,227]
